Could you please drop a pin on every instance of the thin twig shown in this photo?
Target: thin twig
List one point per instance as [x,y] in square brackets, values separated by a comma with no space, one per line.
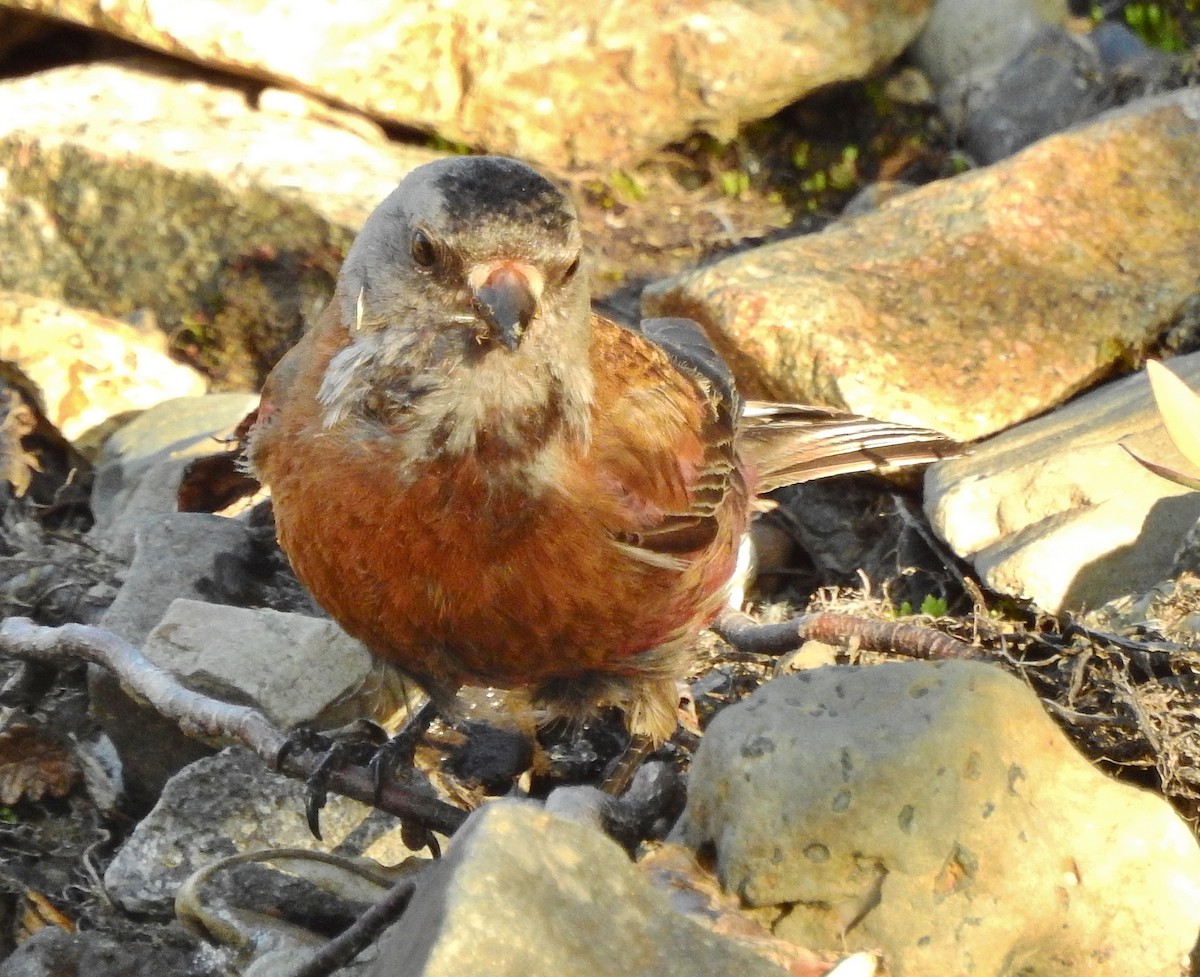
[343,948]
[1154,650]
[365,930]
[1144,723]
[1077,718]
[194,913]
[904,509]
[199,715]
[1078,674]
[901,638]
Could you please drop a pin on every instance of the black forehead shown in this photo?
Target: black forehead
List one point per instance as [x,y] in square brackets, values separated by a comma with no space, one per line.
[503,188]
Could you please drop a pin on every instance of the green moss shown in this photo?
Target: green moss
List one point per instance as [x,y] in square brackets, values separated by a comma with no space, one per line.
[734,183]
[931,606]
[1165,26]
[843,174]
[934,606]
[626,185]
[444,145]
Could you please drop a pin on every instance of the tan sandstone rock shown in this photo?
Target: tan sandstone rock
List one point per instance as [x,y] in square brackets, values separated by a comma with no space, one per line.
[1056,511]
[126,187]
[974,302]
[523,893]
[935,812]
[569,83]
[89,368]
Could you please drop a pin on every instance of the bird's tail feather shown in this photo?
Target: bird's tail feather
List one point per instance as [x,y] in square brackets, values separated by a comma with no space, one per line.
[785,444]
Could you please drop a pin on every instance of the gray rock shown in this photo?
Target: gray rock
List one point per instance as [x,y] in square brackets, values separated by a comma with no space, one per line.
[296,670]
[972,37]
[178,554]
[1009,72]
[53,952]
[231,803]
[142,462]
[527,894]
[1056,511]
[1000,117]
[1120,48]
[935,812]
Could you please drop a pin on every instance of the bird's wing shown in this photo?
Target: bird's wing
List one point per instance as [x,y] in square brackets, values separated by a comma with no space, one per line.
[784,444]
[663,434]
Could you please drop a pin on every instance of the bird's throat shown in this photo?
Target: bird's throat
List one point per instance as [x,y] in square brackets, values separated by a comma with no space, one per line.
[442,398]
[505,417]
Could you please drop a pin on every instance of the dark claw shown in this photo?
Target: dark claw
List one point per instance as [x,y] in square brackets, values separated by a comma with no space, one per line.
[416,837]
[357,743]
[314,799]
[308,740]
[316,788]
[301,740]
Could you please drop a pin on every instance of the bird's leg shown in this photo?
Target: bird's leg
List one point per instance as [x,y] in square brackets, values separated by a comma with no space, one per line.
[619,774]
[400,750]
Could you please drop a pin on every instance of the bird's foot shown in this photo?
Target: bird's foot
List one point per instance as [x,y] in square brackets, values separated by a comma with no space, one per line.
[399,753]
[357,742]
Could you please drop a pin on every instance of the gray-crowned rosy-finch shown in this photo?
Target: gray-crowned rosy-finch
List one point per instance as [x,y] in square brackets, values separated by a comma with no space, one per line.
[490,484]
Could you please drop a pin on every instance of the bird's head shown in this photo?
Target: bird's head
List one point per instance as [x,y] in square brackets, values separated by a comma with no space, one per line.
[464,292]
[478,245]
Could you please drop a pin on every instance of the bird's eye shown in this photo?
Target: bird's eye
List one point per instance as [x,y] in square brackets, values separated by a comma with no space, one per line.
[423,251]
[572,268]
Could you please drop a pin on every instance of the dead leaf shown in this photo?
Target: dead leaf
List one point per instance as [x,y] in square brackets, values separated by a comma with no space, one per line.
[1163,471]
[38,913]
[215,482]
[34,765]
[35,458]
[16,421]
[1179,408]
